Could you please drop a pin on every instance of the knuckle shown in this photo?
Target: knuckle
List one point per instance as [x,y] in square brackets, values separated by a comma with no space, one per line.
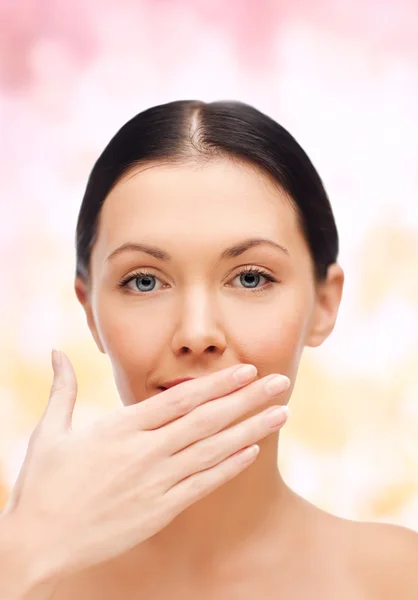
[185,404]
[211,445]
[209,453]
[180,402]
[196,486]
[57,387]
[206,424]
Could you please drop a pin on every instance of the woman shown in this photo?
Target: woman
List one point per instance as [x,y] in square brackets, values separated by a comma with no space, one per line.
[205,240]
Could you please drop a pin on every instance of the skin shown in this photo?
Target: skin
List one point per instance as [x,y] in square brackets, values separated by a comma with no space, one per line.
[198,317]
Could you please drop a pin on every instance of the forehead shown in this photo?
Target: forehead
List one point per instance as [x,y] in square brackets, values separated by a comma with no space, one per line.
[220,198]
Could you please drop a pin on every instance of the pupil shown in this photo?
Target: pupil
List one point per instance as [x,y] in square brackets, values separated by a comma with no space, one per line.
[148,281]
[252,277]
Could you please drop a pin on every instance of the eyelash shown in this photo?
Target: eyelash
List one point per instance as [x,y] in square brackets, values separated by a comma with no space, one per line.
[124,282]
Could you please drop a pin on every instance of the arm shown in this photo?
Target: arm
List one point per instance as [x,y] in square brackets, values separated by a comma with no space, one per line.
[22,576]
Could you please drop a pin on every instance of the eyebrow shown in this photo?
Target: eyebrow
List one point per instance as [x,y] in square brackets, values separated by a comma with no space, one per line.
[230,252]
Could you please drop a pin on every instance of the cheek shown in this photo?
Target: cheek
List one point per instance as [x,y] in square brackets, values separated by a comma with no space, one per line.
[133,342]
[274,337]
[274,345]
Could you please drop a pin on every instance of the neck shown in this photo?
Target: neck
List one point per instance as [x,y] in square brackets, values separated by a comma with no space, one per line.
[249,510]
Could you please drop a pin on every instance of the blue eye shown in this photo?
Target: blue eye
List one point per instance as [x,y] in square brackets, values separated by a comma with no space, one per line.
[248,277]
[251,277]
[146,281]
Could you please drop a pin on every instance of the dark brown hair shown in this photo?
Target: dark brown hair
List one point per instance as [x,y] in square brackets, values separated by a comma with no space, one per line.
[192,130]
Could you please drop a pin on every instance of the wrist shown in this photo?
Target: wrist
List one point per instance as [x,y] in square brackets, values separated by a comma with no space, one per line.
[25,573]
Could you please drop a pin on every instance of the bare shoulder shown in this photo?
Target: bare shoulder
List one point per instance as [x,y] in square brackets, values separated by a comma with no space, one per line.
[387,557]
[373,561]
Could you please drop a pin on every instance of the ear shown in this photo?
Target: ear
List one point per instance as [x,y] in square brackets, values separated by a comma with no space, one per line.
[328,299]
[82,291]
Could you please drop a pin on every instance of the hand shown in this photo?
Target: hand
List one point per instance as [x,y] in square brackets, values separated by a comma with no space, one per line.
[85,497]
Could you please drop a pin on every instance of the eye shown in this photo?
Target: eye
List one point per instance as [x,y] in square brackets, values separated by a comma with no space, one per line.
[144,282]
[251,276]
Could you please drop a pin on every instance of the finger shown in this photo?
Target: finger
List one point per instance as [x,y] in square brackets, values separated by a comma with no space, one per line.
[212,417]
[59,411]
[211,451]
[177,401]
[199,485]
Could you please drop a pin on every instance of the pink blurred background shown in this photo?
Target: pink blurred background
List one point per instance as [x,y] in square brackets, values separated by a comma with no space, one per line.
[343,78]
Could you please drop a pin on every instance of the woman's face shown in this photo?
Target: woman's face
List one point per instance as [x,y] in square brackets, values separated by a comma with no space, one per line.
[191,307]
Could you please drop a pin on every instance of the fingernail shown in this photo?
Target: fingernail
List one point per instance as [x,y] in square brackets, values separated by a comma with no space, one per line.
[56,360]
[277,384]
[277,415]
[245,373]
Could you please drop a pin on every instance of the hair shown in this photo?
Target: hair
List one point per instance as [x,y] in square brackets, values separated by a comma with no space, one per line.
[190,130]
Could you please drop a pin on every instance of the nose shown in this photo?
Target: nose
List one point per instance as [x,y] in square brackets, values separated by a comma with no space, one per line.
[199,329]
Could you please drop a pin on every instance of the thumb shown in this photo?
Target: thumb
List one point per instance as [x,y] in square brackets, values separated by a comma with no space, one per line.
[63,396]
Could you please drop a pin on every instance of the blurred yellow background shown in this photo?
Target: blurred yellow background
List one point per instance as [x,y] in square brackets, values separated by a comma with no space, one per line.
[342,77]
